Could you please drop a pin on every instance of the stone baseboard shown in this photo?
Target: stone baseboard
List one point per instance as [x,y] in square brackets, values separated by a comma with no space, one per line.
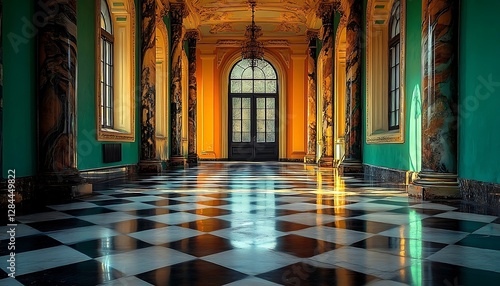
[481,193]
[106,174]
[389,175]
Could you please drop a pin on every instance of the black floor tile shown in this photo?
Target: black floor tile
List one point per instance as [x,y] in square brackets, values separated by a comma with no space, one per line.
[361,225]
[207,225]
[214,203]
[201,245]
[304,275]
[151,212]
[85,273]
[211,212]
[109,245]
[400,246]
[27,243]
[301,246]
[286,226]
[59,224]
[112,202]
[195,272]
[128,195]
[164,203]
[135,225]
[452,224]
[89,211]
[481,241]
[429,212]
[428,273]
[393,203]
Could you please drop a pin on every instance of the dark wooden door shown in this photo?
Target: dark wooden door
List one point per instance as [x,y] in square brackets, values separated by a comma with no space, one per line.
[253,113]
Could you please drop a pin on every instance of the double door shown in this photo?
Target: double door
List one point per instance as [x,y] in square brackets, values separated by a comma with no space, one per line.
[253,127]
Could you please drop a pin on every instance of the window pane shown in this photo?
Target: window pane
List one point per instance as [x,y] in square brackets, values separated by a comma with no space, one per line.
[271,114]
[261,137]
[237,102]
[236,137]
[398,52]
[261,103]
[245,102]
[269,103]
[245,137]
[236,113]
[261,113]
[245,126]
[396,71]
[236,125]
[261,126]
[235,86]
[258,74]
[246,113]
[269,72]
[270,137]
[393,78]
[247,86]
[270,86]
[237,71]
[270,126]
[259,86]
[247,74]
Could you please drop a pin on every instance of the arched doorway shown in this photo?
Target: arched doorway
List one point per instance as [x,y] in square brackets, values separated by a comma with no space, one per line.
[253,112]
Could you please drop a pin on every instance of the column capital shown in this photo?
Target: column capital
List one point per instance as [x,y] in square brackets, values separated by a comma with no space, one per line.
[178,11]
[162,8]
[192,35]
[325,12]
[311,35]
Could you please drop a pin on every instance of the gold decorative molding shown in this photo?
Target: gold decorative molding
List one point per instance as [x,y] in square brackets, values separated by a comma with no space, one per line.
[222,27]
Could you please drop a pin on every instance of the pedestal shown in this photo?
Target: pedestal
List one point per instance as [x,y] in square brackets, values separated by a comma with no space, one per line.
[430,186]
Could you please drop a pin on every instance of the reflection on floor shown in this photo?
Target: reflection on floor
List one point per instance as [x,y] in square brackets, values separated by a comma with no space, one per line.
[253,224]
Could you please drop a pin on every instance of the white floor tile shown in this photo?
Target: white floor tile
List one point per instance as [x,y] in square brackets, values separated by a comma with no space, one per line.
[252,281]
[176,218]
[477,258]
[165,234]
[416,231]
[467,216]
[46,216]
[73,206]
[335,235]
[489,229]
[79,234]
[310,218]
[145,259]
[392,218]
[107,218]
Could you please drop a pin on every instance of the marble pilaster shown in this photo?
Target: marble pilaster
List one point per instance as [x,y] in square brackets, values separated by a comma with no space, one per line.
[1,89]
[326,13]
[439,100]
[192,37]
[178,12]
[353,143]
[149,162]
[310,157]
[57,67]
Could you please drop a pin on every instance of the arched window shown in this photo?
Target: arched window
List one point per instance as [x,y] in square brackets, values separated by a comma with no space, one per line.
[394,66]
[106,56]
[261,79]
[115,70]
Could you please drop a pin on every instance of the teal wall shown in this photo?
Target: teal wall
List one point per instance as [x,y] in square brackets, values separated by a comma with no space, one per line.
[19,121]
[404,156]
[88,148]
[479,91]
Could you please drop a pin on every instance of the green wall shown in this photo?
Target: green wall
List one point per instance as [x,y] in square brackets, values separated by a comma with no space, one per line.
[404,156]
[19,121]
[479,91]
[88,148]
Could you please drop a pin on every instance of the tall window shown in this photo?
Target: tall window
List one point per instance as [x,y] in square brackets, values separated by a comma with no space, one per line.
[394,66]
[107,109]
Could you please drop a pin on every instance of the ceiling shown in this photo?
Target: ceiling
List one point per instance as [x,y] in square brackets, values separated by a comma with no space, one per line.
[281,20]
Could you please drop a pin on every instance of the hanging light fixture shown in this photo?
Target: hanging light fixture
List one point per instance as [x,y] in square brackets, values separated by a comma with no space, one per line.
[252,50]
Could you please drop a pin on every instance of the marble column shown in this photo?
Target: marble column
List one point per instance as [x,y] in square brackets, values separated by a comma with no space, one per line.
[1,89]
[352,162]
[59,178]
[310,157]
[439,101]
[149,161]
[326,13]
[192,37]
[178,12]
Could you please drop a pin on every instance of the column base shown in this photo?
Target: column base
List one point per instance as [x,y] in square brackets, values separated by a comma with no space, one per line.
[350,166]
[150,167]
[327,161]
[54,188]
[310,159]
[192,160]
[177,162]
[430,185]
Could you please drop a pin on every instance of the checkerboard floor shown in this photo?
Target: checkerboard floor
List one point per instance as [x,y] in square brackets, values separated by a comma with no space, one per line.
[253,224]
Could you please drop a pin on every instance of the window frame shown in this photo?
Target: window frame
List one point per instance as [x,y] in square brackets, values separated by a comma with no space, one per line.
[377,73]
[106,80]
[394,43]
[123,19]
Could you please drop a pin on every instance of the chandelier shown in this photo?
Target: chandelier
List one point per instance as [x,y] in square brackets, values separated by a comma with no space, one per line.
[252,50]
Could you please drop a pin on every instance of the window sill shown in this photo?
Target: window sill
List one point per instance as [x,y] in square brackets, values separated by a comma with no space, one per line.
[385,137]
[108,134]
